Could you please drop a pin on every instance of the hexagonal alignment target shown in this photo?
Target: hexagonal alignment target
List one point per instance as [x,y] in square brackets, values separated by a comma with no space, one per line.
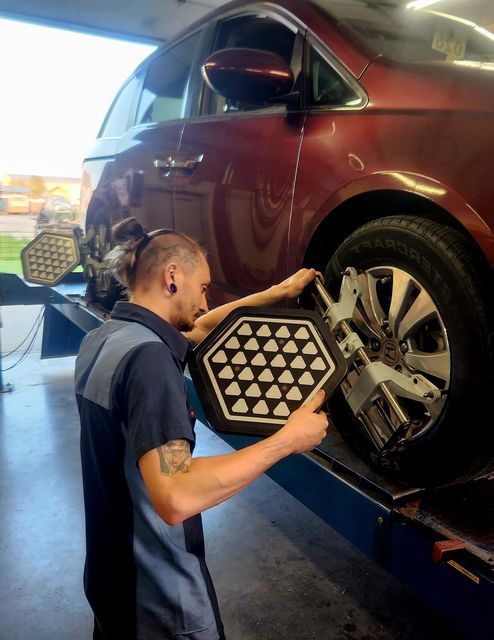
[50,257]
[259,365]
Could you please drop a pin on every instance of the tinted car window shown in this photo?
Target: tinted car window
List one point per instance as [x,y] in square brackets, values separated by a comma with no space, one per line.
[165,86]
[327,87]
[117,121]
[253,32]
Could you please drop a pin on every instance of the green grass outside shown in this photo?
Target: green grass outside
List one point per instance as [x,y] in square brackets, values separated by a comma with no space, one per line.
[10,254]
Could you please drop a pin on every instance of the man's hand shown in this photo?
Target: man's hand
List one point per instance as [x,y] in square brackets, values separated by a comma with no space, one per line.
[293,286]
[306,427]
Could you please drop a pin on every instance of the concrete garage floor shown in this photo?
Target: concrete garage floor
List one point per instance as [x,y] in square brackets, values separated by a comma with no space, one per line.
[280,572]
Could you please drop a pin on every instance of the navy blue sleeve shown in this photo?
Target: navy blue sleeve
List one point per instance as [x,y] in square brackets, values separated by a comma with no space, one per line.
[154,399]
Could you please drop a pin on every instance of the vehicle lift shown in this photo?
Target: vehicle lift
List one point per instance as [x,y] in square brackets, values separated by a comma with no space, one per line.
[438,542]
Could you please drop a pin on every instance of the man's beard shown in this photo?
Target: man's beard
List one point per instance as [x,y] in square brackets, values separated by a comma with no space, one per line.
[184,325]
[185,317]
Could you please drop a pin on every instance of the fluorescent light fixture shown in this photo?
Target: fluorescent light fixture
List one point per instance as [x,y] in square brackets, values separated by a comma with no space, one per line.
[484,32]
[421,4]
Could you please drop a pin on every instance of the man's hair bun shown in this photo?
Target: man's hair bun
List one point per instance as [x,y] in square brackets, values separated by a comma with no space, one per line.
[128,230]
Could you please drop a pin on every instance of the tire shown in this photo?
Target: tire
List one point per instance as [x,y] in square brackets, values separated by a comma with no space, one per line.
[448,340]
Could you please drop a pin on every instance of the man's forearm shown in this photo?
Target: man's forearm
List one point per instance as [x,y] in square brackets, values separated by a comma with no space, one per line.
[273,295]
[208,322]
[213,479]
[289,288]
[180,486]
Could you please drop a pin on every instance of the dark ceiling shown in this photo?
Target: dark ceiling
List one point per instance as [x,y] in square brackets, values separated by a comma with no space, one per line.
[146,20]
[159,20]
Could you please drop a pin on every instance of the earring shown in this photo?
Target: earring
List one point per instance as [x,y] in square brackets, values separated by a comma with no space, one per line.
[173,288]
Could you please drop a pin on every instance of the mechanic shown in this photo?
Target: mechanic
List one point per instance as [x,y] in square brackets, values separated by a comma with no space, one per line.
[145,575]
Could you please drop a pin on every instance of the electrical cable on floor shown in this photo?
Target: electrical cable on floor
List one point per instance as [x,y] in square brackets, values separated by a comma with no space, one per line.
[6,355]
[39,321]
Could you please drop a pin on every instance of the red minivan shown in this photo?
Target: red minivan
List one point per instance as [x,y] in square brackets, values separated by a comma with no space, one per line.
[330,133]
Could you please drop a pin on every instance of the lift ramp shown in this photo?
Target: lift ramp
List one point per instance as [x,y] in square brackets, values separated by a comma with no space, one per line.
[438,542]
[68,316]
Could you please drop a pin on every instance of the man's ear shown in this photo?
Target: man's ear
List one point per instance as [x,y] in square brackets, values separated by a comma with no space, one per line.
[169,273]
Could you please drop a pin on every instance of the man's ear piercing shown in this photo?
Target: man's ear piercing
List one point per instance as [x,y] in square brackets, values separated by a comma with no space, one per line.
[173,288]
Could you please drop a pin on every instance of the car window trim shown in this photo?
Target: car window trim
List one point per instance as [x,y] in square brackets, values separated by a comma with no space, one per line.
[312,42]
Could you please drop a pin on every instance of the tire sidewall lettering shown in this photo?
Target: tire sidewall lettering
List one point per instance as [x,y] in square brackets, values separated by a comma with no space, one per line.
[415,257]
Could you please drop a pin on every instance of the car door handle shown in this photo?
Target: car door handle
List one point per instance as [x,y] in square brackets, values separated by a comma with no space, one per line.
[171,165]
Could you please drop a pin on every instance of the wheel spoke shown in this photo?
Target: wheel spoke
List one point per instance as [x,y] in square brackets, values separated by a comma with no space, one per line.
[435,364]
[370,303]
[435,409]
[362,322]
[400,297]
[408,317]
[422,309]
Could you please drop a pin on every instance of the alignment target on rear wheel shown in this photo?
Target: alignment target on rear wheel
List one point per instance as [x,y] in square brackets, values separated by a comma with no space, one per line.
[424,309]
[103,289]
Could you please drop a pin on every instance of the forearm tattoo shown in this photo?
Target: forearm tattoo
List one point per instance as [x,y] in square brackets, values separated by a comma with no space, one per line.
[174,456]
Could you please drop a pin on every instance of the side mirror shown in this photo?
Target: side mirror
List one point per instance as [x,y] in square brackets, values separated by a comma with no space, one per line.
[248,75]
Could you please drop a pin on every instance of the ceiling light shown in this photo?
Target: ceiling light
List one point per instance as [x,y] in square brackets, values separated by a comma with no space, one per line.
[421,4]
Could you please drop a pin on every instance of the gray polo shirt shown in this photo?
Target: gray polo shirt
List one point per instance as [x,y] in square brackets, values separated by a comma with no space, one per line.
[144,579]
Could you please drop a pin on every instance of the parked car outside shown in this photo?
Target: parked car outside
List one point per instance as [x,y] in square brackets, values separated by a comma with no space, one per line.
[15,203]
[55,214]
[330,134]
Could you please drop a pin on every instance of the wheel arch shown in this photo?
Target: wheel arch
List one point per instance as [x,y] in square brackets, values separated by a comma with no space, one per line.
[97,206]
[359,209]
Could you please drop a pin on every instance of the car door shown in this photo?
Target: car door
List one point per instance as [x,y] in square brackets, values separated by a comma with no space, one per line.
[336,148]
[236,199]
[144,152]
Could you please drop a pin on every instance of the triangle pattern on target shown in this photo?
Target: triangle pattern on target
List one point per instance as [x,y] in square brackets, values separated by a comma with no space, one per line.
[273,392]
[281,410]
[219,357]
[233,343]
[266,376]
[310,349]
[286,377]
[264,331]
[240,406]
[278,361]
[252,345]
[282,332]
[306,378]
[226,373]
[261,408]
[271,345]
[294,394]
[239,358]
[233,389]
[245,330]
[258,360]
[246,374]
[290,347]
[302,334]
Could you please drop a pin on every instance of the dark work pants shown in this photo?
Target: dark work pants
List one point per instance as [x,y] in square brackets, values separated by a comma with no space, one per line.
[97,635]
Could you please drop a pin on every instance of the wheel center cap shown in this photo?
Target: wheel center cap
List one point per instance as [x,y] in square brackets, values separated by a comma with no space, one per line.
[391,353]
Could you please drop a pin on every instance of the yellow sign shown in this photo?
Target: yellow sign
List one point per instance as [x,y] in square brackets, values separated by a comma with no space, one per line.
[451,42]
[464,571]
